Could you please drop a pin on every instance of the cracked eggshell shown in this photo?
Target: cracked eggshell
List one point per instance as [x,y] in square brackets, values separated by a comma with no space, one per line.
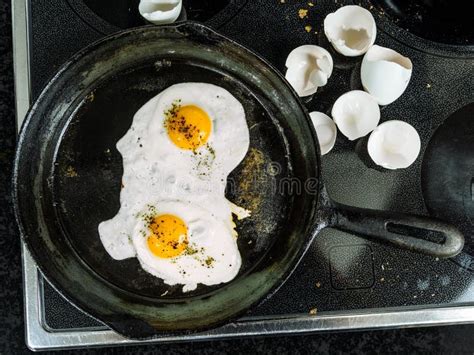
[351,30]
[385,74]
[325,129]
[309,67]
[160,12]
[356,114]
[394,145]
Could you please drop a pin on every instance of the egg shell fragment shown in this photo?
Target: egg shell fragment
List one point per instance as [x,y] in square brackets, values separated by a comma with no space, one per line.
[309,67]
[325,129]
[160,12]
[385,74]
[394,145]
[351,30]
[356,114]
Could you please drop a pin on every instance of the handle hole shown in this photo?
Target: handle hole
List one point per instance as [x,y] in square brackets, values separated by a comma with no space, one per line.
[425,234]
[472,189]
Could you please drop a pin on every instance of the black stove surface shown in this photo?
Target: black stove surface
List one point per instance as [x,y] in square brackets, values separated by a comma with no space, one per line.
[340,272]
[442,21]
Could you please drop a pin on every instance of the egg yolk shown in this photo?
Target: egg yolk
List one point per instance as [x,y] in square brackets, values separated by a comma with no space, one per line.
[189,127]
[168,236]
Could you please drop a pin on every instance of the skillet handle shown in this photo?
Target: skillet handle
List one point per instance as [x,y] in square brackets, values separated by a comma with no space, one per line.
[422,234]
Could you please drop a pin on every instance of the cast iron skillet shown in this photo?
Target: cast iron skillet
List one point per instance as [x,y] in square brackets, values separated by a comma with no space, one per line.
[67,180]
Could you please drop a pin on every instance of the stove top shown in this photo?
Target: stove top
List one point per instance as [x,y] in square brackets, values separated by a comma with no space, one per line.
[352,282]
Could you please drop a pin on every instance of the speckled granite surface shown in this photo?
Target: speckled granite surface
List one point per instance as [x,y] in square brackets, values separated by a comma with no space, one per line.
[454,339]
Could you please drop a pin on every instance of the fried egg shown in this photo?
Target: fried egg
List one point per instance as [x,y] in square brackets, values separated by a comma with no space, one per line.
[195,128]
[182,243]
[182,145]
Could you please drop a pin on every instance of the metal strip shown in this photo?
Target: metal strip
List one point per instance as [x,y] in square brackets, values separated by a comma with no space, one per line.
[38,337]
[21,59]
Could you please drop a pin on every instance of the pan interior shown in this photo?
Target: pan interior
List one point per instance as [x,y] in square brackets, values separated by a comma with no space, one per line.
[88,170]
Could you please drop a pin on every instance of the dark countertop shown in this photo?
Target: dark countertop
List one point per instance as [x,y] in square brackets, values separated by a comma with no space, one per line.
[452,339]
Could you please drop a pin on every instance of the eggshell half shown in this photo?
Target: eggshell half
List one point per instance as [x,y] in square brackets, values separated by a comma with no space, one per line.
[356,114]
[309,67]
[385,74]
[325,129]
[351,30]
[394,145]
[160,12]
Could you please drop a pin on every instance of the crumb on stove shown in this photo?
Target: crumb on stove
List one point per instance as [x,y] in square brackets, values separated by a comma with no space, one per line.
[313,311]
[310,4]
[282,1]
[318,284]
[308,28]
[71,172]
[428,86]
[382,279]
[302,13]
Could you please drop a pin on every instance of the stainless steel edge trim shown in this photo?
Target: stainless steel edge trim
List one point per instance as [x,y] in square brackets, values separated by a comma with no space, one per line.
[21,58]
[38,337]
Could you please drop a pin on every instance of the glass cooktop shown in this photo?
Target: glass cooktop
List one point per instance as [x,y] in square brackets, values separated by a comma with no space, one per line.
[352,282]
